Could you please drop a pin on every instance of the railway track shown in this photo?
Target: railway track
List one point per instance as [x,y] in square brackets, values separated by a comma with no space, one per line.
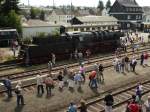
[32,73]
[9,66]
[16,65]
[120,97]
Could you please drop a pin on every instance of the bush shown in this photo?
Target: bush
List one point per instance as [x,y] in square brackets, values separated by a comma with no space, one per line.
[27,40]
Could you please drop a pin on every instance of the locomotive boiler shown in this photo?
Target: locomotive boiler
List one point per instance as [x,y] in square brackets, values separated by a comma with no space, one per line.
[96,41]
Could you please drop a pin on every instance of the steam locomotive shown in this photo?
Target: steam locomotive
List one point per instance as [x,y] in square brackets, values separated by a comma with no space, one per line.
[66,44]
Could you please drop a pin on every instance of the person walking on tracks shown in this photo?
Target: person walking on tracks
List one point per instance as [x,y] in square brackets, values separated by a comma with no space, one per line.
[96,68]
[142,59]
[109,101]
[19,93]
[93,81]
[127,63]
[60,79]
[139,90]
[53,59]
[50,65]
[133,64]
[147,104]
[146,56]
[40,81]
[49,85]
[83,107]
[78,79]
[8,86]
[101,70]
[88,53]
[82,70]
[72,107]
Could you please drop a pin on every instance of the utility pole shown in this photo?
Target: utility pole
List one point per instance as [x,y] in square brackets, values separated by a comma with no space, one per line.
[53,4]
[71,10]
[28,3]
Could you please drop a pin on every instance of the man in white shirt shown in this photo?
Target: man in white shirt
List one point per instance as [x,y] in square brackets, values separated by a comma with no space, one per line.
[39,80]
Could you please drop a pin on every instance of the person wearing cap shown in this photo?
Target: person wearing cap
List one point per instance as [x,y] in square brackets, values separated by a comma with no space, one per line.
[19,93]
[147,104]
[40,81]
[72,107]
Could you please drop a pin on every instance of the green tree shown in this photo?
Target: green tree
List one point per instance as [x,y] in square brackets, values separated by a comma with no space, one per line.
[42,15]
[14,21]
[108,4]
[100,5]
[34,12]
[9,5]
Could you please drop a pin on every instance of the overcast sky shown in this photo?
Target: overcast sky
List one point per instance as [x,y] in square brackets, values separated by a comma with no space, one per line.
[92,3]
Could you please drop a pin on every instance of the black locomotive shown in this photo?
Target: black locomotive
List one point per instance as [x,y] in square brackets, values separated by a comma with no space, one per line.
[65,45]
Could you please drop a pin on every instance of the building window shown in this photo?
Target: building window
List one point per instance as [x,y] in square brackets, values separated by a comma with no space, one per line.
[128,17]
[82,29]
[128,25]
[87,29]
[93,28]
[137,17]
[75,29]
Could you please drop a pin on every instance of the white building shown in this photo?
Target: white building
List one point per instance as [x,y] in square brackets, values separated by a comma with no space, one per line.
[59,16]
[105,12]
[92,23]
[34,27]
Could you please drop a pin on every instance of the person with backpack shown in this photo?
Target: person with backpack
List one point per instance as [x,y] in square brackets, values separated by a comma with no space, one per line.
[8,86]
[40,81]
[49,85]
[93,81]
[19,93]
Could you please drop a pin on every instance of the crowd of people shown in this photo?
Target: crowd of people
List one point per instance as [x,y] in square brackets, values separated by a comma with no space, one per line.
[71,79]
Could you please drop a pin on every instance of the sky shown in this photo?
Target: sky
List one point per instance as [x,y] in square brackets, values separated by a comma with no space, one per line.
[91,3]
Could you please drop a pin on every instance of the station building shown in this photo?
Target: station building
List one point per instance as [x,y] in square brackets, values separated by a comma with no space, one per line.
[92,23]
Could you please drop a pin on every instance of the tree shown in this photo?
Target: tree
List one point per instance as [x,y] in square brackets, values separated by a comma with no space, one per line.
[108,4]
[14,21]
[9,5]
[34,12]
[42,15]
[100,5]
